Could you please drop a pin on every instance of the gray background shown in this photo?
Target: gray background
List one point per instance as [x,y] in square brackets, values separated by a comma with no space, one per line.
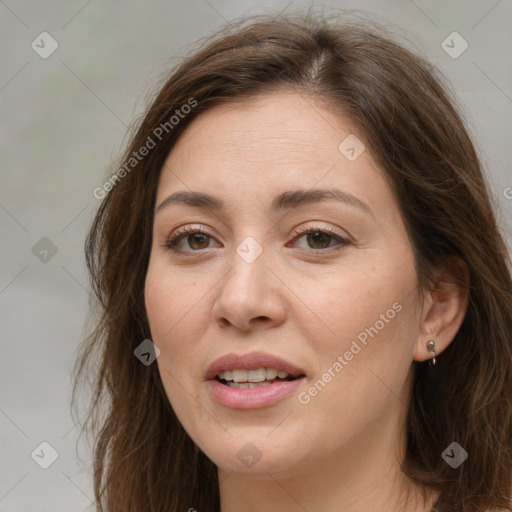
[63,120]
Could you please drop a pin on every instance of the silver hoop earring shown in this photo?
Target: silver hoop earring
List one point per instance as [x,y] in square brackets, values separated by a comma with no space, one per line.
[431,347]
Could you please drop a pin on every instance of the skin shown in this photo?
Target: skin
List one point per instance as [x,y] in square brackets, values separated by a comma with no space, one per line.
[299,300]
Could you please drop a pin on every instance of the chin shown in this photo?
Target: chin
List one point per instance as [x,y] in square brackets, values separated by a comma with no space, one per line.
[257,456]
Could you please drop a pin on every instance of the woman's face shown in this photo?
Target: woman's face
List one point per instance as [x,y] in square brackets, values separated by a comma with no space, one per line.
[337,307]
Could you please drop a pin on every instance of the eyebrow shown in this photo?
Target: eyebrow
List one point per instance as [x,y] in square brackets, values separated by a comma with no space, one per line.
[291,199]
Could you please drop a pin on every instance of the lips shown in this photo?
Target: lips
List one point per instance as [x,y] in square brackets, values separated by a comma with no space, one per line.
[252,361]
[251,395]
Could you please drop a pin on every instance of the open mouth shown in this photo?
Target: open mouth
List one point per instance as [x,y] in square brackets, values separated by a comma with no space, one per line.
[252,381]
[258,378]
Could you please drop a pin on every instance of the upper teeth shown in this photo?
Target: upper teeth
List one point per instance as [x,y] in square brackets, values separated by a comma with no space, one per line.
[258,375]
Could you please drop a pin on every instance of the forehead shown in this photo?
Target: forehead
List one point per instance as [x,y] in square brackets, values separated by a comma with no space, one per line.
[283,124]
[258,146]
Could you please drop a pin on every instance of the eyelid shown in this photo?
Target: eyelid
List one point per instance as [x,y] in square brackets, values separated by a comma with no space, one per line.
[324,229]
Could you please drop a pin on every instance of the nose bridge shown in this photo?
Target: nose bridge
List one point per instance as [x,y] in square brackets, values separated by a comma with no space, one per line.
[246,292]
[248,263]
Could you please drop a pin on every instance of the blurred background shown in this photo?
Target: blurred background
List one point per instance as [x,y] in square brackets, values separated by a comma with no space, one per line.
[73,76]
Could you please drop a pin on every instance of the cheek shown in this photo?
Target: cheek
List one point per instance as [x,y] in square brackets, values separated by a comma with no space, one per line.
[169,300]
[179,309]
[355,299]
[172,308]
[361,386]
[370,319]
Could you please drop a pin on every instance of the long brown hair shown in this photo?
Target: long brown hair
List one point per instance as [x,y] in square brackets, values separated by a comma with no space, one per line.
[143,458]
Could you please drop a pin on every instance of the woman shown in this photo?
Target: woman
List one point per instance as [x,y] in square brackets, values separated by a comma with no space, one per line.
[305,298]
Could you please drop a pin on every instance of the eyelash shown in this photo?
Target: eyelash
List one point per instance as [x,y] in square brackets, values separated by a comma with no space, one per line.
[173,240]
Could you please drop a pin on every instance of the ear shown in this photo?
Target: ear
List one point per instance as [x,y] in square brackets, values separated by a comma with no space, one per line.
[444,307]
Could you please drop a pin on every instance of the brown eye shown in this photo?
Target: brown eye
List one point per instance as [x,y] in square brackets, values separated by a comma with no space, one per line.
[318,239]
[196,239]
[321,239]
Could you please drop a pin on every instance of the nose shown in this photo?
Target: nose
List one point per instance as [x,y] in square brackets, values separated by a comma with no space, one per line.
[249,296]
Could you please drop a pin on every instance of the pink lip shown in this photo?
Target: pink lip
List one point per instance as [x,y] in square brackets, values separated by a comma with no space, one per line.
[251,361]
[251,398]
